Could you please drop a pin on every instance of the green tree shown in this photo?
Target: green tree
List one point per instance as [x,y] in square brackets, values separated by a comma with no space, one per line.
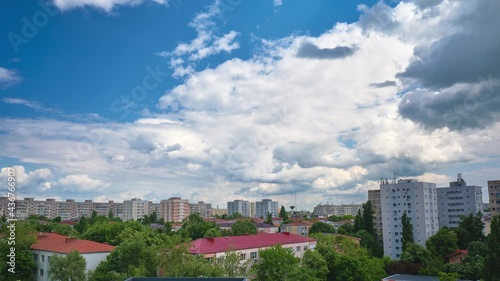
[316,263]
[470,229]
[321,227]
[82,225]
[213,232]
[471,267]
[417,254]
[275,264]
[24,263]
[284,215]
[346,229]
[350,268]
[110,214]
[368,218]
[443,243]
[70,267]
[57,219]
[232,265]
[358,221]
[492,262]
[452,276]
[196,227]
[64,229]
[243,227]
[407,234]
[269,219]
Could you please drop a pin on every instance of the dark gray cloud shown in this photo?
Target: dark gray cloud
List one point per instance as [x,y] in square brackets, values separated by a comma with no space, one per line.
[423,4]
[463,57]
[459,107]
[383,84]
[309,50]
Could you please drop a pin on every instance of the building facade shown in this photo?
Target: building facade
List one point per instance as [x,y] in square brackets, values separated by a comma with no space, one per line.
[175,209]
[238,206]
[204,209]
[336,210]
[494,196]
[135,209]
[68,209]
[266,206]
[419,201]
[374,198]
[50,244]
[458,200]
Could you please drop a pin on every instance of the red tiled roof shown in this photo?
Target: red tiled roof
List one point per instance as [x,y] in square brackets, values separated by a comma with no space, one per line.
[457,252]
[58,243]
[260,240]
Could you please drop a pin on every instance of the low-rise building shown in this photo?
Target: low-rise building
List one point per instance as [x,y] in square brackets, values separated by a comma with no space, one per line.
[248,246]
[457,256]
[50,244]
[298,228]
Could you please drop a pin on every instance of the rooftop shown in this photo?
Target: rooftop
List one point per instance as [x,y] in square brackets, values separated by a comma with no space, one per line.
[57,243]
[260,240]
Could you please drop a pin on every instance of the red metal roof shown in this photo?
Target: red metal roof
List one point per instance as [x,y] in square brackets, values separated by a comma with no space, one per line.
[57,243]
[260,240]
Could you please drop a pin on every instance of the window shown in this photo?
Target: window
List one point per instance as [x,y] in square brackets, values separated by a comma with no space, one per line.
[41,272]
[253,255]
[305,248]
[35,257]
[48,258]
[43,258]
[243,257]
[298,248]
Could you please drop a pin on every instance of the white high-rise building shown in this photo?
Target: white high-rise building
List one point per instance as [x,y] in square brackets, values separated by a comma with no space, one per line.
[419,201]
[135,209]
[458,200]
[266,206]
[204,209]
[239,206]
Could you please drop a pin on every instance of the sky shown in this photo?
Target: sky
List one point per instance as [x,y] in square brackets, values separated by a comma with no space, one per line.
[235,99]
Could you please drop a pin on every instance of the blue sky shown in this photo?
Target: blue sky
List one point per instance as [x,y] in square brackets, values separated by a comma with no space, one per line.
[220,100]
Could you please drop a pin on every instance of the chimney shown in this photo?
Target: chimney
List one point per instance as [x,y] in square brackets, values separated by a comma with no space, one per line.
[70,239]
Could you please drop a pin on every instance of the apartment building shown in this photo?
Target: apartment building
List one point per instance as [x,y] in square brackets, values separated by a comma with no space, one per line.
[458,200]
[336,210]
[266,206]
[68,209]
[135,209]
[204,209]
[239,206]
[253,210]
[174,209]
[419,201]
[374,198]
[494,196]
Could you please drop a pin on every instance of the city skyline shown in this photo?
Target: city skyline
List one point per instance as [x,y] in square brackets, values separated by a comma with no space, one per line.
[221,100]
